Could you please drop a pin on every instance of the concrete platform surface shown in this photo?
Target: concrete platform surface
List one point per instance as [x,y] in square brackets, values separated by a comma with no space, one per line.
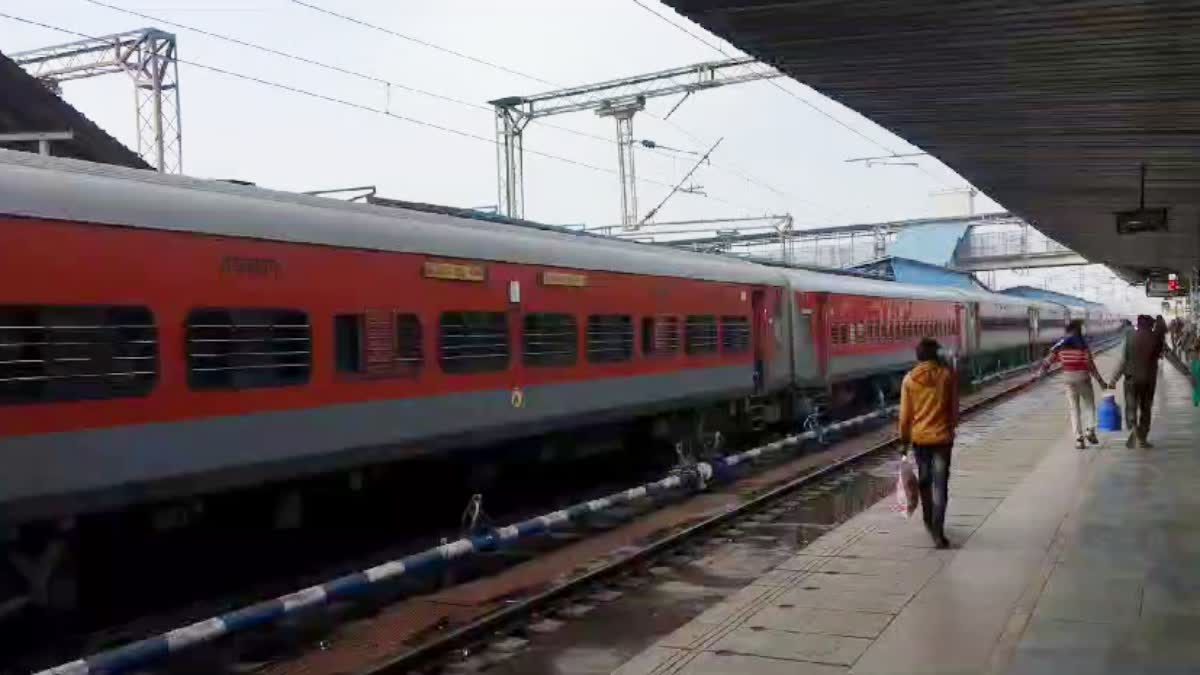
[1064,561]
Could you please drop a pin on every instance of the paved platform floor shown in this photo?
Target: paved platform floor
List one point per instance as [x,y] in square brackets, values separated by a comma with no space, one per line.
[1064,561]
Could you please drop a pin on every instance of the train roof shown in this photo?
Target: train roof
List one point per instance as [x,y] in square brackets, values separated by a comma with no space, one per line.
[65,189]
[810,280]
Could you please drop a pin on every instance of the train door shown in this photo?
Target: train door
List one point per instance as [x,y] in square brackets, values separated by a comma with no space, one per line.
[762,333]
[970,332]
[808,327]
[772,353]
[1033,333]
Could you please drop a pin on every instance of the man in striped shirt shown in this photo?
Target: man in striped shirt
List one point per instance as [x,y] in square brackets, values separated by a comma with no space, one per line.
[1078,370]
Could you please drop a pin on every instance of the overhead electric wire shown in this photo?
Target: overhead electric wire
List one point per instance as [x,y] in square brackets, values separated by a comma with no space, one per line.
[726,167]
[787,91]
[398,85]
[424,43]
[350,104]
[329,66]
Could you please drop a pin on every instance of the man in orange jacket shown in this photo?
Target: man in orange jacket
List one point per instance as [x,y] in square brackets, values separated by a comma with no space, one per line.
[928,416]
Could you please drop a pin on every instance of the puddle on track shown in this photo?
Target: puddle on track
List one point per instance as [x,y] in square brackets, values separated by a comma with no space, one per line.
[616,631]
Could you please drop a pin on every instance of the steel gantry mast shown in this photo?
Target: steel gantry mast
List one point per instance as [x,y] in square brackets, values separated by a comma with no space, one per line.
[620,99]
[148,57]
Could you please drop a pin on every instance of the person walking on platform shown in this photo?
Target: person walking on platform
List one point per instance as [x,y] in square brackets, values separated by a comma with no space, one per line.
[1124,369]
[1139,365]
[928,417]
[1078,370]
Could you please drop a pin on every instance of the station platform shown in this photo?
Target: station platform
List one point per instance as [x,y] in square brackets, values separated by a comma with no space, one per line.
[1062,561]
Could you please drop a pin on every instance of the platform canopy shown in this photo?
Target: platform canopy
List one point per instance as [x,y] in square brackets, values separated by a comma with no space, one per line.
[1048,107]
[28,106]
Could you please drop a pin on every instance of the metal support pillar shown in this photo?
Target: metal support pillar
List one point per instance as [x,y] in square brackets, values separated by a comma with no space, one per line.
[627,171]
[513,113]
[880,234]
[156,84]
[510,162]
[623,114]
[148,56]
[787,241]
[1194,293]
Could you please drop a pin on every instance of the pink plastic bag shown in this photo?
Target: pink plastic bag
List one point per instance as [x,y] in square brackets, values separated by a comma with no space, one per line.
[906,487]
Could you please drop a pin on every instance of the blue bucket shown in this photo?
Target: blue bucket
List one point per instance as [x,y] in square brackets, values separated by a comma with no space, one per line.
[1109,414]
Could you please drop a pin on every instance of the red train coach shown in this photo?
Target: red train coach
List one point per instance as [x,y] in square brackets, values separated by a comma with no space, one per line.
[162,336]
[854,336]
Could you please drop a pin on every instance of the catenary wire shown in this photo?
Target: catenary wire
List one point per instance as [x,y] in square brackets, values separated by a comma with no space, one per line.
[787,91]
[726,166]
[352,104]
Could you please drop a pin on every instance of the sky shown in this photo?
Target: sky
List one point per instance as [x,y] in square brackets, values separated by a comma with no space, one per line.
[778,154]
[784,146]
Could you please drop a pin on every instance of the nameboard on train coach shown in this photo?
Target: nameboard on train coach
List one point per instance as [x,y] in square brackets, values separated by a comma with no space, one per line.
[454,271]
[564,279]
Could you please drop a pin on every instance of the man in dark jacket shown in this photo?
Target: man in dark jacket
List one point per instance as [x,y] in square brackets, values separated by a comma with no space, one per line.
[1141,372]
[1123,370]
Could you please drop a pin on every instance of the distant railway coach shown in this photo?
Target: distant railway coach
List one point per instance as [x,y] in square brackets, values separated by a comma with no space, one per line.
[165,339]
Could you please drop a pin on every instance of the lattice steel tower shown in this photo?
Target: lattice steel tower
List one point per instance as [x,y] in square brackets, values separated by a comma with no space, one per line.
[148,56]
[620,99]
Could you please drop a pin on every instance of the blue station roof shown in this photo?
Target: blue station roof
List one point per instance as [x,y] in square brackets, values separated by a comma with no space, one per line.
[910,271]
[934,243]
[1049,296]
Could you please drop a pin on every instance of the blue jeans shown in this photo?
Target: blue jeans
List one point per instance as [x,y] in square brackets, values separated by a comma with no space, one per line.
[933,483]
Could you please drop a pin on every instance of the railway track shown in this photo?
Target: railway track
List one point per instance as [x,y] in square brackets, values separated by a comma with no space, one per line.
[443,643]
[485,633]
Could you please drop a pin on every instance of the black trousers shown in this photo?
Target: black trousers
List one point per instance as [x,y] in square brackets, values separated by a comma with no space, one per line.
[933,482]
[1143,401]
[1131,416]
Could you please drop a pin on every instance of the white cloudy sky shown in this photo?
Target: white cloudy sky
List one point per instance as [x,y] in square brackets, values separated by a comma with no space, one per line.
[238,129]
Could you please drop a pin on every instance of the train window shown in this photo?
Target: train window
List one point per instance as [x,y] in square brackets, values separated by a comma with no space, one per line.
[407,350]
[348,343]
[735,334]
[378,343]
[473,342]
[648,346]
[71,353]
[700,334]
[609,338]
[550,340]
[247,348]
[660,335]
